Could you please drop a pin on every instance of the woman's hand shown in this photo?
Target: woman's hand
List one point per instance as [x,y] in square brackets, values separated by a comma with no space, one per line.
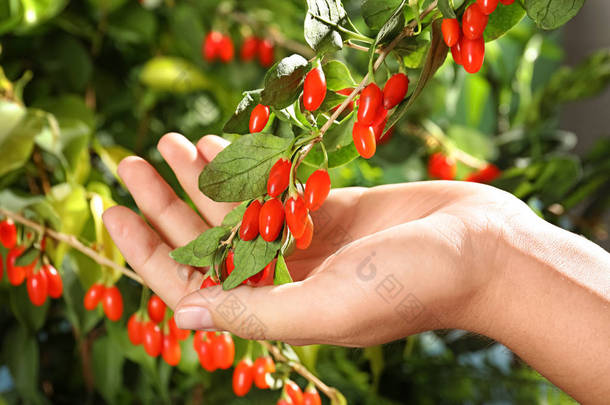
[385,262]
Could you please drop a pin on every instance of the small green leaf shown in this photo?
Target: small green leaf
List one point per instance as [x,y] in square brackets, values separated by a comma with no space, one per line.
[435,58]
[331,100]
[107,364]
[27,257]
[388,31]
[413,50]
[284,81]
[239,172]
[502,20]
[200,251]
[234,216]
[377,12]
[282,275]
[337,75]
[446,9]
[551,14]
[250,258]
[321,21]
[240,120]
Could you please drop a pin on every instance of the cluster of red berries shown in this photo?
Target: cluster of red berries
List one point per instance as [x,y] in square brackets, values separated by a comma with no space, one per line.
[444,167]
[41,281]
[218,46]
[109,296]
[267,219]
[373,107]
[467,44]
[247,373]
[157,335]
[292,395]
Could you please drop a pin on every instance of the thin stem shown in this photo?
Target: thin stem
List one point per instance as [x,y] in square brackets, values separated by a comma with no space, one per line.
[339,28]
[352,45]
[72,241]
[298,368]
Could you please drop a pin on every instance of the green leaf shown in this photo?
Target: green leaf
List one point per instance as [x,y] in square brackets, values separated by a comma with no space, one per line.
[133,25]
[250,258]
[413,50]
[200,251]
[11,15]
[107,368]
[239,172]
[339,145]
[435,58]
[377,12]
[37,12]
[502,20]
[284,81]
[173,74]
[331,100]
[337,75]
[30,316]
[388,31]
[234,216]
[27,257]
[282,274]
[446,8]
[321,21]
[17,138]
[551,14]
[239,123]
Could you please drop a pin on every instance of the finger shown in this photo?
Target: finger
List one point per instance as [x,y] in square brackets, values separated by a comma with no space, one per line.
[187,163]
[173,219]
[148,255]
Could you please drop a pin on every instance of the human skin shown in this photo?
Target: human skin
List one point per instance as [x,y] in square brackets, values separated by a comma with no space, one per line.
[387,262]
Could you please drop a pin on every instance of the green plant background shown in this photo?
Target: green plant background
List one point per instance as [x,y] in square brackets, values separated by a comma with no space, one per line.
[85,83]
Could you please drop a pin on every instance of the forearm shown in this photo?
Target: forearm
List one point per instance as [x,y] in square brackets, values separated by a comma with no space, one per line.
[551,306]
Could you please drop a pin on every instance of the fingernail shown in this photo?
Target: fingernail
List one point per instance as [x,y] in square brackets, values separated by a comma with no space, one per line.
[194,318]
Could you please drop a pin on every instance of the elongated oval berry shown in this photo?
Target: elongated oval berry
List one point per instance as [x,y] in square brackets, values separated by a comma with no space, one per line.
[364,139]
[317,189]
[296,215]
[211,46]
[258,118]
[311,396]
[242,377]
[113,303]
[451,31]
[135,329]
[37,288]
[249,49]
[441,167]
[205,353]
[487,6]
[456,51]
[8,233]
[209,281]
[248,229]
[473,54]
[152,339]
[371,99]
[266,51]
[15,274]
[395,90]
[474,22]
[314,89]
[170,350]
[507,2]
[230,263]
[294,392]
[262,276]
[156,309]
[226,49]
[93,296]
[279,177]
[262,367]
[345,92]
[223,349]
[271,219]
[55,286]
[305,240]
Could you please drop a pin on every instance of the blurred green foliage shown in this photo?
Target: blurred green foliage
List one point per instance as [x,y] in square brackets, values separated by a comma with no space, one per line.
[85,83]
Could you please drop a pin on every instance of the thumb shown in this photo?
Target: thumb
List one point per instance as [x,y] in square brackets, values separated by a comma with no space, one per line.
[295,312]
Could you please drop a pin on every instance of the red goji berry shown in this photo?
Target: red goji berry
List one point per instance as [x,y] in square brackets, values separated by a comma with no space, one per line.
[364,139]
[156,309]
[296,215]
[93,296]
[305,240]
[135,329]
[271,219]
[487,6]
[473,54]
[152,339]
[225,49]
[451,31]
[317,189]
[262,367]
[8,233]
[258,118]
[266,51]
[170,350]
[441,167]
[249,48]
[279,177]
[37,288]
[211,46]
[474,22]
[371,99]
[242,377]
[223,350]
[395,90]
[113,303]
[55,286]
[314,89]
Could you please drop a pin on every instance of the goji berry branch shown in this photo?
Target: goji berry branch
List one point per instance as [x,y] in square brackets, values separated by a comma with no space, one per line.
[72,241]
[298,368]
